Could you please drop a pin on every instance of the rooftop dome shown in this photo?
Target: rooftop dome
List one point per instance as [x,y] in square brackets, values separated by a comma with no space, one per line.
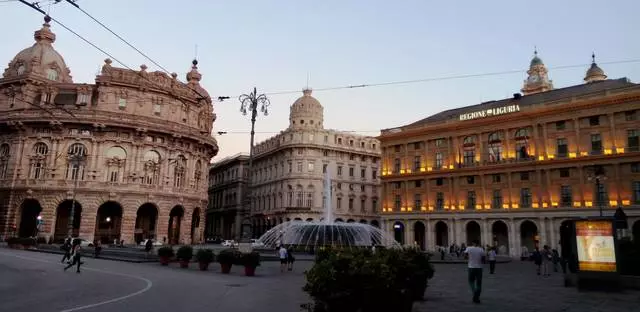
[594,73]
[40,59]
[306,112]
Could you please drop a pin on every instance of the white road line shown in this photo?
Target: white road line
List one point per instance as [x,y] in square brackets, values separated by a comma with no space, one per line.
[141,291]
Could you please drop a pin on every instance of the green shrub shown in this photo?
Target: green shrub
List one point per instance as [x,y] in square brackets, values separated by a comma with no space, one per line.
[205,255]
[229,256]
[251,259]
[185,253]
[165,252]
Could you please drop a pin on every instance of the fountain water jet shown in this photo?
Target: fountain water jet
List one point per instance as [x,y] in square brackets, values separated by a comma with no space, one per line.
[326,232]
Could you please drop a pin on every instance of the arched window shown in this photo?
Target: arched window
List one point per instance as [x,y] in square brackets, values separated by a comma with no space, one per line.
[116,159]
[75,161]
[4,160]
[151,168]
[179,171]
[197,174]
[39,160]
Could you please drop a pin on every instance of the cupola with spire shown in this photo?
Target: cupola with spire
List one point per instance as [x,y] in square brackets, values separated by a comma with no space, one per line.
[594,73]
[306,112]
[538,78]
[41,59]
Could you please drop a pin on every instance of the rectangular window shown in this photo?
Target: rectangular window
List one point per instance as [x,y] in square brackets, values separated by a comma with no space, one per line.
[396,166]
[562,148]
[324,168]
[496,201]
[397,203]
[469,157]
[439,201]
[351,171]
[339,170]
[566,198]
[561,125]
[594,120]
[471,199]
[438,160]
[633,141]
[635,188]
[596,144]
[416,163]
[417,201]
[525,198]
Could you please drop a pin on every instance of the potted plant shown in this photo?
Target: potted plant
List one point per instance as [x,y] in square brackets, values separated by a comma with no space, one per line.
[227,258]
[250,261]
[184,255]
[165,253]
[204,257]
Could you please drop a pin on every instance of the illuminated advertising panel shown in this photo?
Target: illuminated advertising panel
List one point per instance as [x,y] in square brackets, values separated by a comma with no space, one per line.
[596,246]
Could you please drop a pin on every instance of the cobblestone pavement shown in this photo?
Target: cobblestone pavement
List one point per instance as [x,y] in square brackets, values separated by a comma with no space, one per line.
[516,287]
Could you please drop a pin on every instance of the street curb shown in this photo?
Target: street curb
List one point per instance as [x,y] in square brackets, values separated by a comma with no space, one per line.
[101,257]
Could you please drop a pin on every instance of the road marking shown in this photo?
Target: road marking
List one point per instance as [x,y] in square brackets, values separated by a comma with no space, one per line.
[139,292]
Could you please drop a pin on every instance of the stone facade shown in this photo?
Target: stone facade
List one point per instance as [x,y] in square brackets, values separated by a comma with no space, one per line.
[133,150]
[288,172]
[227,186]
[510,172]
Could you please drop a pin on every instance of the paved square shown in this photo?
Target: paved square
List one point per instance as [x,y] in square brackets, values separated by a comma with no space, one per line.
[35,282]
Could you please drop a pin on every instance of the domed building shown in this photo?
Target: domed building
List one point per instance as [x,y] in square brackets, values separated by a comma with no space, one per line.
[122,159]
[288,172]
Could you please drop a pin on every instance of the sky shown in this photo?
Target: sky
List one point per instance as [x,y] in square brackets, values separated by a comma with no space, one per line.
[280,45]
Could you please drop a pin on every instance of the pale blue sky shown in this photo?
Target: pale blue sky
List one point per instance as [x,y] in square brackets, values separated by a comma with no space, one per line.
[274,44]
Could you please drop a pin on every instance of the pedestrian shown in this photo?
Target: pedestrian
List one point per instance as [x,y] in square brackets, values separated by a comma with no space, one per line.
[66,247]
[475,255]
[290,259]
[546,256]
[97,248]
[556,259]
[537,259]
[75,256]
[282,253]
[492,260]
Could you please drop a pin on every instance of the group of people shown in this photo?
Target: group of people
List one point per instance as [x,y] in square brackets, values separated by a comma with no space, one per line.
[72,254]
[286,258]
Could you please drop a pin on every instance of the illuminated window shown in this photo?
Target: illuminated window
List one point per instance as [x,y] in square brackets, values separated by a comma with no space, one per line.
[525,198]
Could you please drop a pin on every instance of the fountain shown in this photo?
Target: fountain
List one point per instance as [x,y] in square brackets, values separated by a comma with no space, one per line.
[326,232]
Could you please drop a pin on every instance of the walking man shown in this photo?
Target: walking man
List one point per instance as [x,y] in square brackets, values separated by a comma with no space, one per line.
[492,260]
[475,254]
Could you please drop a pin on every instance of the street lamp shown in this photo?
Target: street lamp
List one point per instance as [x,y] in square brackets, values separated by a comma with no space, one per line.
[250,103]
[76,158]
[598,176]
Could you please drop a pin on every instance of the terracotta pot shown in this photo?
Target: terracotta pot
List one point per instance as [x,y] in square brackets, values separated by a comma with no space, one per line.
[204,266]
[225,267]
[164,260]
[184,264]
[249,271]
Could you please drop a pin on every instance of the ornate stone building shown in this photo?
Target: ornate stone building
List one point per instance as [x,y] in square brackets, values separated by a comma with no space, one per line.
[509,172]
[133,150]
[227,186]
[288,172]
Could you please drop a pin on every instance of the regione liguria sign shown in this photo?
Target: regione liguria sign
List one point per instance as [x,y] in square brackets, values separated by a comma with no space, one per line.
[490,112]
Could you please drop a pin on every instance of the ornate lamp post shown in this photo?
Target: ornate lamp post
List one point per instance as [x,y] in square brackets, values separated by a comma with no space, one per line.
[598,177]
[250,103]
[76,158]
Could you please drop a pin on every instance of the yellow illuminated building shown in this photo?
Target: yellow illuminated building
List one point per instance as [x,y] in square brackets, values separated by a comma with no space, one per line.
[509,172]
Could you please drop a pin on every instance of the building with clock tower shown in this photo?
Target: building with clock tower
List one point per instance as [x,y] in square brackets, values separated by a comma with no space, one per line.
[538,79]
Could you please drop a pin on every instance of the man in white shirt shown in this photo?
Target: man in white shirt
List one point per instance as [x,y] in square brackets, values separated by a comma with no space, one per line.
[475,255]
